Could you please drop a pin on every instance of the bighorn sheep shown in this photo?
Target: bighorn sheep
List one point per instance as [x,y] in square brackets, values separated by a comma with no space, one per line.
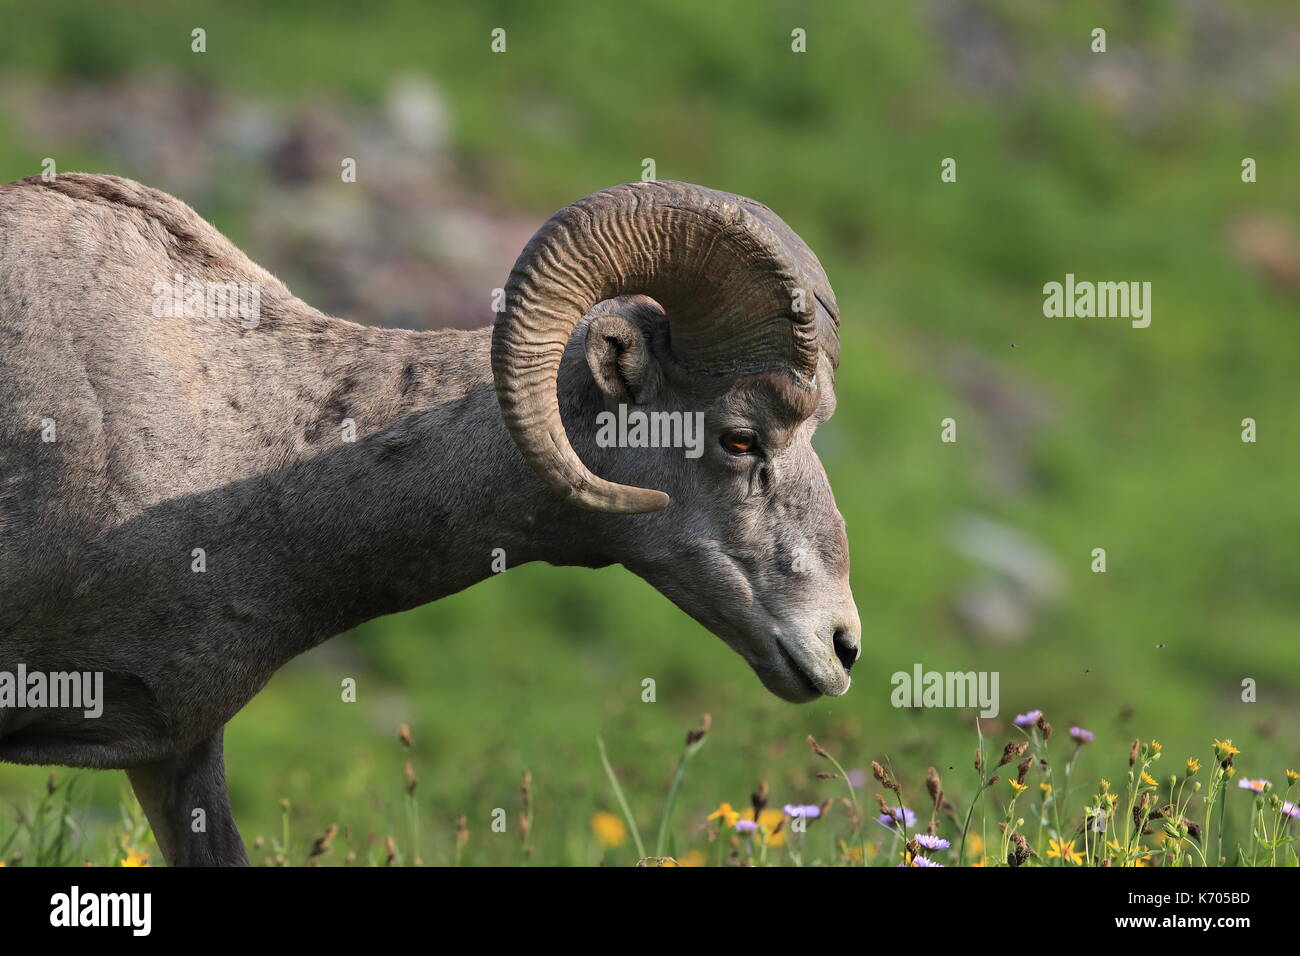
[129,439]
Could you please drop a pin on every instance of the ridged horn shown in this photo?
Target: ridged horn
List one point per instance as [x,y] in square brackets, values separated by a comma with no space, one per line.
[721,266]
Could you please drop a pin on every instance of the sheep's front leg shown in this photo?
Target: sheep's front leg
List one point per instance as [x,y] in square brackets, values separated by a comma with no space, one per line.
[188,807]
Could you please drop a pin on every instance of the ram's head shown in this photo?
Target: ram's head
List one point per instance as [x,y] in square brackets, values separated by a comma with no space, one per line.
[704,309]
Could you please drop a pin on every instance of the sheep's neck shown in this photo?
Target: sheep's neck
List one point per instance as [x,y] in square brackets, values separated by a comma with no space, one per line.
[292,540]
[431,497]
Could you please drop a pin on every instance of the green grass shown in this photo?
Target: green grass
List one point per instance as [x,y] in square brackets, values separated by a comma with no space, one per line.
[1138,451]
[1014,805]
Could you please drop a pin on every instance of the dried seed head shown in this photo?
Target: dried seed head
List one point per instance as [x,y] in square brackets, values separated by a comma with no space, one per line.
[883,778]
[411,780]
[526,790]
[1020,850]
[759,799]
[404,735]
[1023,769]
[1013,750]
[979,761]
[322,844]
[462,830]
[816,748]
[1139,811]
[1133,753]
[823,775]
[933,786]
[1044,728]
[696,736]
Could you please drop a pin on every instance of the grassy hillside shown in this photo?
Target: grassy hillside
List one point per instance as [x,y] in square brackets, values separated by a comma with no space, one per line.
[1074,434]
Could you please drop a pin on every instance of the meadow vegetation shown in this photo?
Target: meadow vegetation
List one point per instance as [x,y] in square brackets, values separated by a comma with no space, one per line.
[1074,434]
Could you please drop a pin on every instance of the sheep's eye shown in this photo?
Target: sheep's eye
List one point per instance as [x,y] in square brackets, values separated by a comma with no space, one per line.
[740,441]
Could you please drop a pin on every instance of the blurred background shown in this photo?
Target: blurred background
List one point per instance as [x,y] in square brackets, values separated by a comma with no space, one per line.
[1074,434]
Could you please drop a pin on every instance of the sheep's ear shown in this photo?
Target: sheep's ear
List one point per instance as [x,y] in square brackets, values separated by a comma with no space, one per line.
[620,360]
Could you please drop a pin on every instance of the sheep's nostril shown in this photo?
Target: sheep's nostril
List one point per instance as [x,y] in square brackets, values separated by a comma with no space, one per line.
[847,648]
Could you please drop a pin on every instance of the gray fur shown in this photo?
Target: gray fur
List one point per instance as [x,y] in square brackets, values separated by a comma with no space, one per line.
[183,433]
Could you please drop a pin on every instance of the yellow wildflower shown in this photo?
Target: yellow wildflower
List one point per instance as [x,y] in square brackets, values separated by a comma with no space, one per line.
[1017,787]
[135,858]
[1224,748]
[769,819]
[727,815]
[1193,765]
[1149,780]
[1065,851]
[1292,776]
[1046,788]
[609,829]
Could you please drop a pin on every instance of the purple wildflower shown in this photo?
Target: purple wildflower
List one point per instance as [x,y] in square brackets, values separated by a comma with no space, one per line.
[922,861]
[931,842]
[1080,736]
[809,811]
[1025,720]
[1290,809]
[1245,783]
[890,819]
[746,826]
[857,779]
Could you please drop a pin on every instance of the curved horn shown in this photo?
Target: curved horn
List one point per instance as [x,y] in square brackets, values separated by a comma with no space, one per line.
[726,279]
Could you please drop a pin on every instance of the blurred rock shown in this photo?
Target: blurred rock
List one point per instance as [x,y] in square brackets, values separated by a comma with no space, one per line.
[418,114]
[1010,416]
[1019,579]
[409,243]
[1270,244]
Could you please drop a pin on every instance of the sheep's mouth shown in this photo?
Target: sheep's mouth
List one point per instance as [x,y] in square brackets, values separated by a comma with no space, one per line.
[783,676]
[800,674]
